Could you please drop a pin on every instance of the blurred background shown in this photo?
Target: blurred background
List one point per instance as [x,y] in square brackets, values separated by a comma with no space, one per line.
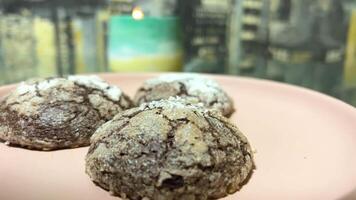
[311,43]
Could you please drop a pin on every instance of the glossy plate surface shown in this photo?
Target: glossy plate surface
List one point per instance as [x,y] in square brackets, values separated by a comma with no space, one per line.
[305,142]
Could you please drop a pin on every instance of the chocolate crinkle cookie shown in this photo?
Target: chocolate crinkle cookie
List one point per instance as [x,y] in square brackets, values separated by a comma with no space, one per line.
[169,150]
[56,113]
[193,87]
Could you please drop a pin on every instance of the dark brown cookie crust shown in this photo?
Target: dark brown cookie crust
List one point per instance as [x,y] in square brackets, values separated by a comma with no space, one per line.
[207,91]
[62,116]
[162,152]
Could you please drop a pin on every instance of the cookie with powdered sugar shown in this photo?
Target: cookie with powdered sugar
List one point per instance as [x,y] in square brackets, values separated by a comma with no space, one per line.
[57,113]
[169,149]
[192,87]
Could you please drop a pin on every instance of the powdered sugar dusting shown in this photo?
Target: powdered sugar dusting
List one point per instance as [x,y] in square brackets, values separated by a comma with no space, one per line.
[44,85]
[171,103]
[95,82]
[24,88]
[92,81]
[194,83]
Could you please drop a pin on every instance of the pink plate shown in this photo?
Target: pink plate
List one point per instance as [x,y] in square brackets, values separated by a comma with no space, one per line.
[305,143]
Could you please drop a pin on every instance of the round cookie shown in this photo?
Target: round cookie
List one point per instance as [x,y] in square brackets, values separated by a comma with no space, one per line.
[169,150]
[195,88]
[56,113]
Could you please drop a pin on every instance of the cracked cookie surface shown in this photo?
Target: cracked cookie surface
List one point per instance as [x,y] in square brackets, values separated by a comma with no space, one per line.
[56,113]
[193,87]
[169,149]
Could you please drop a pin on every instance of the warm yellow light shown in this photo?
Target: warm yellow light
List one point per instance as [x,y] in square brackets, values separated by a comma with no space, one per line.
[137,13]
